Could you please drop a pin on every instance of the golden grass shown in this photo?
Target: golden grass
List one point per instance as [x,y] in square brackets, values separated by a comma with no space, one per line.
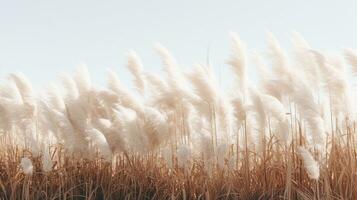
[149,177]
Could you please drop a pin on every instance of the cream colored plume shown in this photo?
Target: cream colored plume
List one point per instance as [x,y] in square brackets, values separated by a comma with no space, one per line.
[26,166]
[311,165]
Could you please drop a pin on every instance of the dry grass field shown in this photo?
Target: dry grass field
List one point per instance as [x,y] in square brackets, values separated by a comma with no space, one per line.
[180,135]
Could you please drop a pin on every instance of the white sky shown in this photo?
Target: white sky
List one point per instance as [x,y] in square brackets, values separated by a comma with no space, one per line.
[44,38]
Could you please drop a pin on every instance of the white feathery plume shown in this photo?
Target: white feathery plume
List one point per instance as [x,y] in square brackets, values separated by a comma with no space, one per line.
[102,102]
[160,94]
[100,142]
[70,88]
[225,115]
[24,87]
[127,120]
[112,134]
[306,61]
[157,83]
[108,97]
[156,127]
[279,87]
[72,121]
[204,83]
[279,58]
[274,107]
[74,140]
[276,110]
[337,85]
[174,76]
[262,69]
[310,112]
[45,124]
[126,97]
[83,79]
[196,123]
[258,107]
[238,62]
[175,80]
[311,165]
[136,69]
[284,78]
[25,90]
[27,115]
[259,113]
[5,114]
[26,166]
[10,105]
[170,64]
[239,109]
[8,90]
[77,114]
[84,86]
[351,56]
[54,98]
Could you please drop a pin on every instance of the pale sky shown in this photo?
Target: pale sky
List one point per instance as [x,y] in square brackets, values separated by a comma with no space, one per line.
[45,38]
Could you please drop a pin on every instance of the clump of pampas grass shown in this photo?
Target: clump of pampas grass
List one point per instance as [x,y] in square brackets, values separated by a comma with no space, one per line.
[288,135]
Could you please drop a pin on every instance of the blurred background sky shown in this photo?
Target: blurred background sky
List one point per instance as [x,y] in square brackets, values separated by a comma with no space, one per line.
[44,38]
